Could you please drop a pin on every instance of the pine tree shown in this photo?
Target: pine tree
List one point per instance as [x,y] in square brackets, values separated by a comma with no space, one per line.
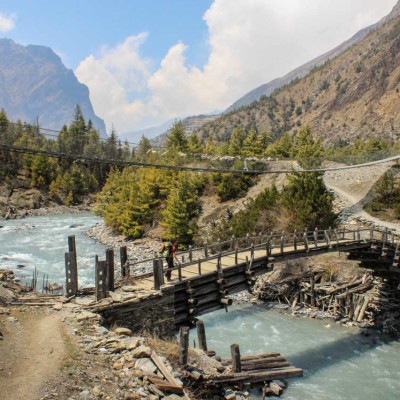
[182,209]
[194,145]
[143,149]
[251,147]
[306,199]
[236,142]
[176,138]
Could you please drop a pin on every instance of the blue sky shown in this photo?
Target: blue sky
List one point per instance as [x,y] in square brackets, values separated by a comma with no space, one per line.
[77,28]
[147,61]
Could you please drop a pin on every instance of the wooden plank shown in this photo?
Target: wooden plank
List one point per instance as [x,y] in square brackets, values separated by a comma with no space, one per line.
[164,370]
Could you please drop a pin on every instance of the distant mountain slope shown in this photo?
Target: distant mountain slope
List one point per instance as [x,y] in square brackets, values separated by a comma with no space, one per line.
[353,96]
[158,133]
[268,88]
[35,85]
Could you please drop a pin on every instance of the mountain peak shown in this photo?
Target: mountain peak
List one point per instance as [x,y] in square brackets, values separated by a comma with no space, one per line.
[36,86]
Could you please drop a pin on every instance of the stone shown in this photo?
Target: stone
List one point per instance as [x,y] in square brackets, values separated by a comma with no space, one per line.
[58,306]
[96,391]
[129,288]
[87,315]
[172,397]
[85,301]
[141,351]
[116,297]
[146,365]
[123,331]
[133,343]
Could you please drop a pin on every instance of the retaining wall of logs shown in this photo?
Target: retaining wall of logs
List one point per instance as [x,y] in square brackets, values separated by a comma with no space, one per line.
[372,300]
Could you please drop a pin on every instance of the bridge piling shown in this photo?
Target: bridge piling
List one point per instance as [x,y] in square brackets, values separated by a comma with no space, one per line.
[110,269]
[123,254]
[235,353]
[201,335]
[101,290]
[183,345]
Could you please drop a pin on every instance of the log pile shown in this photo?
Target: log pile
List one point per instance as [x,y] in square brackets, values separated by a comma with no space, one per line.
[370,301]
[267,369]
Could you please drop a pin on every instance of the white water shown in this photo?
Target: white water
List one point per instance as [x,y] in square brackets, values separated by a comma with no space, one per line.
[41,242]
[338,362]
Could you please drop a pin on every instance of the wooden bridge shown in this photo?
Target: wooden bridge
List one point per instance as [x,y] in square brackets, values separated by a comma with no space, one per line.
[206,276]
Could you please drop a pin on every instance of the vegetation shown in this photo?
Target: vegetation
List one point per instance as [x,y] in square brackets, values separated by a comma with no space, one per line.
[386,199]
[303,203]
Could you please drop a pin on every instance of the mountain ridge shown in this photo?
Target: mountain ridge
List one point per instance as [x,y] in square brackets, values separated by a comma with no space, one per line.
[35,86]
[355,95]
[301,71]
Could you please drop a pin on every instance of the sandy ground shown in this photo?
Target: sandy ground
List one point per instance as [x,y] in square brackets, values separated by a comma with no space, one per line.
[32,352]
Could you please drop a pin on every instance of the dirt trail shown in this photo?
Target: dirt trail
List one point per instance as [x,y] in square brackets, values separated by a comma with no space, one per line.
[32,352]
[352,188]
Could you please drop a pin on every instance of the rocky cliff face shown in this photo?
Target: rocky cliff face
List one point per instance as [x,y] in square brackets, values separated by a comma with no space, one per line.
[303,70]
[35,85]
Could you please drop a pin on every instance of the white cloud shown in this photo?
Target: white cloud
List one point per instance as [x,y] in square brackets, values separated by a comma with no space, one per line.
[251,42]
[7,22]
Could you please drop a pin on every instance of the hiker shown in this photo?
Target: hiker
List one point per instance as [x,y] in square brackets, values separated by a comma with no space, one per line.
[168,250]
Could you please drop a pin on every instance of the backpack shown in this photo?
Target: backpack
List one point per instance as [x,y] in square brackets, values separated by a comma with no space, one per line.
[167,250]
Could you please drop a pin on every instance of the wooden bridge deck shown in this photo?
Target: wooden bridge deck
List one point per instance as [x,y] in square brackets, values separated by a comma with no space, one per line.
[190,271]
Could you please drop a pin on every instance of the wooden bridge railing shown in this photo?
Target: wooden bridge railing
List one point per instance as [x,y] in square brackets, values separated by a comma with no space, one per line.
[295,241]
[261,249]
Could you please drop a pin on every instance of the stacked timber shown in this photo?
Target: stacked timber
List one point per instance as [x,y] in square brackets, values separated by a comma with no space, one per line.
[368,300]
[267,369]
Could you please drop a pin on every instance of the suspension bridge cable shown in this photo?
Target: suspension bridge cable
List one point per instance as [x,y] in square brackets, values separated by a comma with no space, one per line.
[80,158]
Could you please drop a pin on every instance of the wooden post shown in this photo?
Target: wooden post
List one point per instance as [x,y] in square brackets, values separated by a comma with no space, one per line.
[190,253]
[358,234]
[236,256]
[336,236]
[295,239]
[101,291]
[183,345]
[312,284]
[201,335]
[371,234]
[268,248]
[252,251]
[247,240]
[206,250]
[123,253]
[305,241]
[235,352]
[316,238]
[219,245]
[110,269]
[199,266]
[282,242]
[158,273]
[179,272]
[71,244]
[71,272]
[219,266]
